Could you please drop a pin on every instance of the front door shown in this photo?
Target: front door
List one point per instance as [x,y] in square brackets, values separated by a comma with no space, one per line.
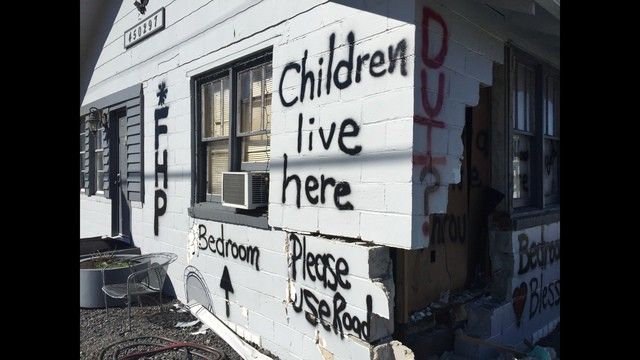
[120,206]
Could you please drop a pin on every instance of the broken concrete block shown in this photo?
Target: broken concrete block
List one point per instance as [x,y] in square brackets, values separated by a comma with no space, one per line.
[485,318]
[473,351]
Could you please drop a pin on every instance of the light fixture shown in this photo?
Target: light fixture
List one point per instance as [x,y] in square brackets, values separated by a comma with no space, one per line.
[92,119]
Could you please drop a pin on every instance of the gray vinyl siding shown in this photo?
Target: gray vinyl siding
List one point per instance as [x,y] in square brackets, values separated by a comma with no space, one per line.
[105,157]
[87,162]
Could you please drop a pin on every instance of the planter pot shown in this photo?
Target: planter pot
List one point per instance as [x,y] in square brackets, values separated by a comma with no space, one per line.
[91,295]
[90,247]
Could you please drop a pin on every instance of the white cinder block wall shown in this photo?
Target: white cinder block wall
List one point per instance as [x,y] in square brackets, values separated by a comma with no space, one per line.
[371,110]
[383,157]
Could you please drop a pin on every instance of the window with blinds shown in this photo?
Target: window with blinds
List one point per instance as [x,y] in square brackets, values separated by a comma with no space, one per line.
[254,93]
[233,123]
[216,114]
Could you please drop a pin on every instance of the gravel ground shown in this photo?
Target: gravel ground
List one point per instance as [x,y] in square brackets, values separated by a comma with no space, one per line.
[98,331]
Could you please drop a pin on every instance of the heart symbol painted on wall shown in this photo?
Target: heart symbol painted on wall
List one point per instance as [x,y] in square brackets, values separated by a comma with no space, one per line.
[519,299]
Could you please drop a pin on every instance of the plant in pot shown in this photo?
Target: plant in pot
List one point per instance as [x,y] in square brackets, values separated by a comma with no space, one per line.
[100,270]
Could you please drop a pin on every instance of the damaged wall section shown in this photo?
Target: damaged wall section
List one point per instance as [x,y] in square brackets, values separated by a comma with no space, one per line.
[525,297]
[453,58]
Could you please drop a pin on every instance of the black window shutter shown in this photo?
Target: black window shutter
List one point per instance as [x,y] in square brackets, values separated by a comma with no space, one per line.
[105,162]
[135,166]
[87,168]
[90,164]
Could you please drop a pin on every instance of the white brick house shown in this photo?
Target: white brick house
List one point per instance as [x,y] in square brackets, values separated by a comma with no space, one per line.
[411,147]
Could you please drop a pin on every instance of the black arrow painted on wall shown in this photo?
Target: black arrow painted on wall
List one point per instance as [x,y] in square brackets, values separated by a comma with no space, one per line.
[225,283]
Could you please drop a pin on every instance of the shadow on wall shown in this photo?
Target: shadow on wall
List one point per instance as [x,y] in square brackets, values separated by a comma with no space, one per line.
[389,9]
[96,20]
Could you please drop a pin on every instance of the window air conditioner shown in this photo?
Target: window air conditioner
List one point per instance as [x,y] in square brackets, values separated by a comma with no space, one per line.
[245,190]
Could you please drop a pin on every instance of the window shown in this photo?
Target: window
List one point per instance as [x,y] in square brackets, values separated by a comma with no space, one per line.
[534,100]
[523,100]
[83,137]
[216,105]
[551,174]
[99,161]
[233,125]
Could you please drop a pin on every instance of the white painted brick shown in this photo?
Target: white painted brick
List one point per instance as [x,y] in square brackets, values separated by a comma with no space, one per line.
[391,229]
[310,349]
[432,89]
[273,308]
[438,200]
[418,238]
[181,222]
[452,114]
[265,239]
[450,171]
[275,213]
[533,233]
[288,338]
[357,256]
[439,140]
[242,295]
[455,145]
[455,58]
[273,262]
[551,231]
[337,111]
[398,198]
[261,325]
[235,312]
[479,68]
[463,88]
[276,349]
[277,118]
[373,137]
[388,167]
[347,348]
[339,222]
[399,134]
[298,321]
[388,105]
[176,204]
[367,196]
[303,219]
[417,198]
[178,140]
[267,283]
